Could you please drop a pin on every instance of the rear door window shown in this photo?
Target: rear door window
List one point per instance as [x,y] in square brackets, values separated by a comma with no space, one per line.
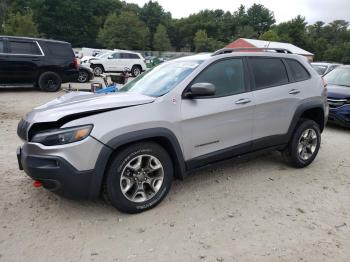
[23,48]
[125,55]
[299,73]
[268,72]
[60,49]
[134,56]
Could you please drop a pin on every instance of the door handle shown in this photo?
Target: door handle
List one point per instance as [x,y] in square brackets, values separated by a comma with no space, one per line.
[294,91]
[243,101]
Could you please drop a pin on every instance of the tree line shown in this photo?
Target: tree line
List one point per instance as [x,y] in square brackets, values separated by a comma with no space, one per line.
[117,24]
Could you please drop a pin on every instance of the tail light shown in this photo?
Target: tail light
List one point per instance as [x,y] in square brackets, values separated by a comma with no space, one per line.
[76,63]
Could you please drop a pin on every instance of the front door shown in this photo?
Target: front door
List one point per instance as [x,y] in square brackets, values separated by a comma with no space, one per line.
[219,126]
[113,63]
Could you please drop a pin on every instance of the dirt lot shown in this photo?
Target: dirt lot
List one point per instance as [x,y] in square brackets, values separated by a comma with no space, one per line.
[251,210]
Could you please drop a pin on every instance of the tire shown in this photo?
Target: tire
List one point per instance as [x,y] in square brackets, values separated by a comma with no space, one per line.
[304,145]
[136,71]
[98,70]
[83,76]
[128,185]
[49,82]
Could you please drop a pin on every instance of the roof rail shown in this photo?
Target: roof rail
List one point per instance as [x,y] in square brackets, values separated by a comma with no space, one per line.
[257,49]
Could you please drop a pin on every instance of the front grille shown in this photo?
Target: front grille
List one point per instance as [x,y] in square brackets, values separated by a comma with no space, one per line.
[334,103]
[22,129]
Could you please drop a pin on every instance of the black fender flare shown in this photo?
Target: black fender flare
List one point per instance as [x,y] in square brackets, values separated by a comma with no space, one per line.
[312,104]
[172,146]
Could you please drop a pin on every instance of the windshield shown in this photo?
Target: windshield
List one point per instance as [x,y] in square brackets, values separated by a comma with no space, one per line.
[320,69]
[161,79]
[104,55]
[339,76]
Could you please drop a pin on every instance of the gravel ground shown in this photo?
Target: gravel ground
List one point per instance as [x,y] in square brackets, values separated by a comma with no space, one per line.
[249,210]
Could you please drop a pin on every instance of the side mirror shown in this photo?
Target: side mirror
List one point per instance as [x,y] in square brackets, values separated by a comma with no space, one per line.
[110,57]
[200,89]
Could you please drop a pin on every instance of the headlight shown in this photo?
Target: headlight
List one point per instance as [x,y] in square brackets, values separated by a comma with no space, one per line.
[62,136]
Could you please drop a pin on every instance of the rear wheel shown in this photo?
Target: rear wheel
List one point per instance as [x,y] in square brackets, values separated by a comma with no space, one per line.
[139,177]
[135,71]
[50,82]
[304,146]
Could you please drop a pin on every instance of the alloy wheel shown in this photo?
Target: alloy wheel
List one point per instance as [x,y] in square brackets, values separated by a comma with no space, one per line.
[141,178]
[136,71]
[98,71]
[307,144]
[82,77]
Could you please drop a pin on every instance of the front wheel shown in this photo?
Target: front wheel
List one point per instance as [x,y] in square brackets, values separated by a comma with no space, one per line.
[83,76]
[139,177]
[304,145]
[98,70]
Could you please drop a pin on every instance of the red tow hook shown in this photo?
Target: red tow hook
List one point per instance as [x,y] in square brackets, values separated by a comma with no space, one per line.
[37,184]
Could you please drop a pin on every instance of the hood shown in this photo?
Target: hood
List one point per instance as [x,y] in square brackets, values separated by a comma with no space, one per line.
[338,92]
[76,103]
[86,58]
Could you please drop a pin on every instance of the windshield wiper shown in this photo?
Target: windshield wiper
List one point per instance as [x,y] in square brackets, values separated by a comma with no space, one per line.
[338,84]
[344,85]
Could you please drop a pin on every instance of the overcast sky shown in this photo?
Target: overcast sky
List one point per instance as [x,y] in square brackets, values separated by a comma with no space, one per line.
[284,10]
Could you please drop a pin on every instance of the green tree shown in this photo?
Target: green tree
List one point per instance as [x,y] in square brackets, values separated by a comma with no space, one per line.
[333,53]
[241,16]
[153,14]
[20,25]
[201,41]
[161,40]
[270,35]
[293,31]
[346,53]
[75,21]
[260,18]
[3,12]
[131,7]
[124,31]
[246,32]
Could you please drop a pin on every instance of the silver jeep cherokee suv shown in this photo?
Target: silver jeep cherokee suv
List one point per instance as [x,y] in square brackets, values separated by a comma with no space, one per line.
[179,116]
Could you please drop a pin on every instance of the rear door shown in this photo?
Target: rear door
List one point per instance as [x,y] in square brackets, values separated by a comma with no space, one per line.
[276,95]
[220,125]
[135,59]
[3,62]
[127,61]
[23,60]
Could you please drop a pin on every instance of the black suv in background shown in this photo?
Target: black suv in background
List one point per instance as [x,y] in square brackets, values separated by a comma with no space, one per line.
[44,63]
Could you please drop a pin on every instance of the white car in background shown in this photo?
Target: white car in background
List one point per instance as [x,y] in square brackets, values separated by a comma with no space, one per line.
[88,58]
[323,68]
[116,62]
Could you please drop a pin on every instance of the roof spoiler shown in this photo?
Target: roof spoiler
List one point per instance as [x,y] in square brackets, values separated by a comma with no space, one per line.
[257,49]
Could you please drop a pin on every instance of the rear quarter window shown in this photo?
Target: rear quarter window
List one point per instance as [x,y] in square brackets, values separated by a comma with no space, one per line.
[2,46]
[268,72]
[60,49]
[23,47]
[298,71]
